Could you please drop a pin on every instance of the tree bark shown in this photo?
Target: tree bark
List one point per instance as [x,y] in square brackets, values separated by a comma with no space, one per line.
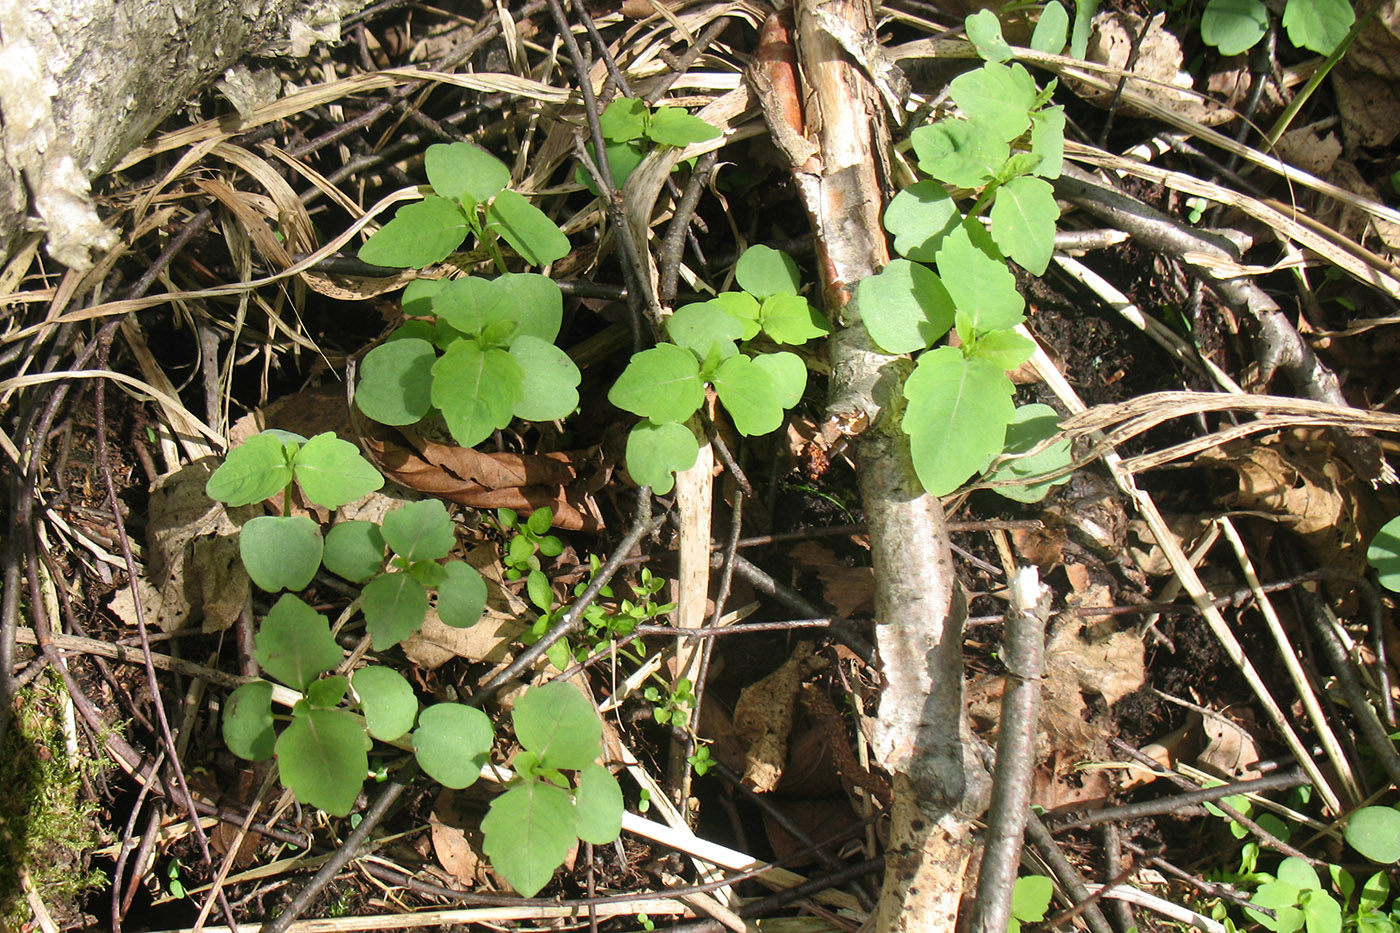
[82,82]
[833,133]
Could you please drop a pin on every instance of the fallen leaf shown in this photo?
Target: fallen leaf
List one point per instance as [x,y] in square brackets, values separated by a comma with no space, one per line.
[457,840]
[1159,61]
[849,590]
[1367,81]
[763,718]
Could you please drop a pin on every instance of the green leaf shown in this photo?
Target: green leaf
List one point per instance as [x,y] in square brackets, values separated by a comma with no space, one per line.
[1051,30]
[1023,222]
[1234,26]
[1384,555]
[253,471]
[764,271]
[538,589]
[556,723]
[331,471]
[984,30]
[788,374]
[294,643]
[1084,11]
[550,386]
[1318,25]
[537,303]
[703,325]
[354,550]
[957,417]
[789,319]
[527,229]
[662,384]
[328,691]
[476,390]
[978,280]
[1375,893]
[396,381]
[656,452]
[281,552]
[472,304]
[427,572]
[624,119]
[997,97]
[741,306]
[417,301]
[1030,897]
[959,153]
[420,235]
[461,598]
[452,743]
[528,834]
[420,530]
[458,169]
[672,126]
[394,606]
[905,307]
[1375,831]
[387,700]
[321,758]
[919,217]
[1281,897]
[540,520]
[1322,912]
[599,804]
[1298,873]
[248,721]
[1006,348]
[1048,141]
[623,158]
[749,396]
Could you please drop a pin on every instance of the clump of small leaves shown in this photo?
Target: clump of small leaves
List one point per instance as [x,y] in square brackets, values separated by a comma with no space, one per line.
[1235,26]
[631,128]
[532,826]
[666,384]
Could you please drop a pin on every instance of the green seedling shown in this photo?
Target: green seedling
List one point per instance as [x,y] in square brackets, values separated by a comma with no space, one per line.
[414,538]
[666,384]
[469,197]
[701,760]
[1030,899]
[673,705]
[284,551]
[532,826]
[1236,26]
[631,128]
[1008,142]
[477,351]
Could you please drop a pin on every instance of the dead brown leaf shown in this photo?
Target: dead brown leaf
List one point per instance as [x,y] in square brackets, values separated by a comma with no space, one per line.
[764,715]
[457,840]
[1367,80]
[492,640]
[1159,60]
[850,590]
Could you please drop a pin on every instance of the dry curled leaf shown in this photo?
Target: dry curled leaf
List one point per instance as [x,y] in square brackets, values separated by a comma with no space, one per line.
[764,715]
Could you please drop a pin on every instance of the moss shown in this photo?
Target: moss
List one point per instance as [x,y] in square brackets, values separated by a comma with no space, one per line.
[46,824]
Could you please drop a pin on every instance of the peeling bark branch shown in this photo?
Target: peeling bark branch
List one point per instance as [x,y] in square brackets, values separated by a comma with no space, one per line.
[835,139]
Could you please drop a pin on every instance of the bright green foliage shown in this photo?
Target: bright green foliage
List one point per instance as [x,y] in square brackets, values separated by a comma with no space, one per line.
[498,358]
[1384,555]
[981,286]
[666,384]
[1234,26]
[1030,899]
[955,153]
[331,472]
[1375,833]
[461,596]
[354,550]
[464,179]
[247,721]
[957,414]
[322,758]
[672,126]
[532,826]
[452,743]
[996,98]
[394,606]
[419,530]
[1051,30]
[628,124]
[908,307]
[984,31]
[1031,425]
[672,704]
[294,643]
[281,552]
[919,217]
[522,553]
[1023,221]
[387,701]
[1298,901]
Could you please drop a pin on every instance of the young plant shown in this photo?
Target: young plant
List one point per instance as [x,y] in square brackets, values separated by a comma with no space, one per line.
[629,124]
[671,705]
[666,384]
[322,753]
[284,551]
[1236,26]
[1030,899]
[522,553]
[1008,142]
[477,351]
[532,826]
[415,537]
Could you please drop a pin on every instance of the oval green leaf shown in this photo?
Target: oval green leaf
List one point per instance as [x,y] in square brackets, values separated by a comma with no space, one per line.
[599,804]
[919,217]
[957,416]
[527,229]
[556,723]
[476,390]
[461,598]
[452,742]
[662,384]
[394,606]
[281,552]
[294,643]
[1375,833]
[1384,555]
[396,381]
[247,721]
[354,550]
[321,758]
[905,308]
[656,452]
[762,271]
[331,471]
[457,169]
[387,700]
[749,396]
[253,471]
[420,235]
[550,386]
[529,833]
[420,530]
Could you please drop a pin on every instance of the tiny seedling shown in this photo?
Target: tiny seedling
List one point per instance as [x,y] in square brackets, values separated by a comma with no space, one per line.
[666,384]
[673,704]
[1030,899]
[284,551]
[701,760]
[542,814]
[629,125]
